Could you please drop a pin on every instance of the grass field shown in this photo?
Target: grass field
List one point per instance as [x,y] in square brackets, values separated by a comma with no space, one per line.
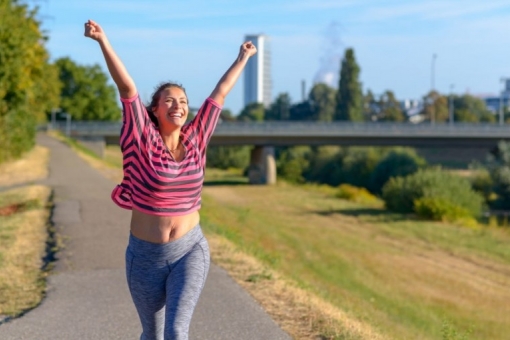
[406,278]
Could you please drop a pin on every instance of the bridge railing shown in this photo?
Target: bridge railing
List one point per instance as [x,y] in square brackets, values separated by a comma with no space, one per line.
[93,128]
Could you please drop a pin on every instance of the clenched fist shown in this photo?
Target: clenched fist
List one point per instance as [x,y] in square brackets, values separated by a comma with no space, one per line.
[94,31]
[248,49]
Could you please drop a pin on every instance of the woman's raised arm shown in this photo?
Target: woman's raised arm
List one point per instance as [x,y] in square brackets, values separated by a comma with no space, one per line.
[230,77]
[121,77]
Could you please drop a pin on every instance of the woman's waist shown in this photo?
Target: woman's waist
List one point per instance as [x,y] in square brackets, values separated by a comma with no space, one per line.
[162,229]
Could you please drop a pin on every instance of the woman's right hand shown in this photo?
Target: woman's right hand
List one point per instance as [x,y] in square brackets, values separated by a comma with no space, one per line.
[94,31]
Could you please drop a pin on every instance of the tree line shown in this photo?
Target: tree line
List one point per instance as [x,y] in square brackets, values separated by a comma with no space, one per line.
[31,86]
[349,103]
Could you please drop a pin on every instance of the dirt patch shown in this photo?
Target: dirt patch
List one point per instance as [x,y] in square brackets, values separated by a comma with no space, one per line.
[12,209]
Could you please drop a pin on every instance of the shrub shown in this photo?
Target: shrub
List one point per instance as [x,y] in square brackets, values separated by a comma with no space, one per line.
[292,163]
[353,165]
[355,194]
[398,162]
[499,167]
[440,209]
[401,193]
[501,178]
[225,157]
[481,182]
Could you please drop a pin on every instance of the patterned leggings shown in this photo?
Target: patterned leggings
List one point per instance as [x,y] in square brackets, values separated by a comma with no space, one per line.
[165,281]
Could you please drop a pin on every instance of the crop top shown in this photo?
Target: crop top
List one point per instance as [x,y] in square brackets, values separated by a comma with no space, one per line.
[154,182]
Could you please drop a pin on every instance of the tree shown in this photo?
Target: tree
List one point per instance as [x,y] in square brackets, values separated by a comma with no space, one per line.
[389,108]
[252,112]
[349,98]
[499,169]
[227,116]
[471,109]
[86,94]
[322,102]
[301,111]
[398,162]
[28,82]
[435,107]
[292,163]
[279,109]
[370,107]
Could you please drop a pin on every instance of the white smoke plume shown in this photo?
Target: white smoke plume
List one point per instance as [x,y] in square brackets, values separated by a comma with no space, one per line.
[329,65]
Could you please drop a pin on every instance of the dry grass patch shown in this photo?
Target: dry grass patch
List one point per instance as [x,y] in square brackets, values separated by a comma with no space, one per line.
[31,167]
[23,236]
[301,314]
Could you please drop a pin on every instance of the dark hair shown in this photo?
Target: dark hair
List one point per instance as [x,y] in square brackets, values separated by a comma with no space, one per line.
[155,98]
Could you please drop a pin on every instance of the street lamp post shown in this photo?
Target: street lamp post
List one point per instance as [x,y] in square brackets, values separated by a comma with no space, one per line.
[54,112]
[432,88]
[501,102]
[433,71]
[451,105]
[68,124]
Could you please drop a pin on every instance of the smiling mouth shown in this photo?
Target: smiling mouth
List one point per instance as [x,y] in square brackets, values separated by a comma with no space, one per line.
[175,115]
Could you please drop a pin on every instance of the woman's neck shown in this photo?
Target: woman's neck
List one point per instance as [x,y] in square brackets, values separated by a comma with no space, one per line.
[171,138]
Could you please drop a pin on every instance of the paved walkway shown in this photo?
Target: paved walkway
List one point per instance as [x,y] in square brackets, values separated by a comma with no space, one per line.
[87,291]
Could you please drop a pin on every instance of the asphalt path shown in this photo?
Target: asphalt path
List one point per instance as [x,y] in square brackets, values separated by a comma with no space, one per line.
[87,295]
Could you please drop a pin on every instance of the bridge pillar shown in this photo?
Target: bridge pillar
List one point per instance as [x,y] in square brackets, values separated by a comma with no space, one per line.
[262,168]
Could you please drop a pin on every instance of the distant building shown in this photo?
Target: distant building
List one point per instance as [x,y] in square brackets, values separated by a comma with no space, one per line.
[412,109]
[257,73]
[493,102]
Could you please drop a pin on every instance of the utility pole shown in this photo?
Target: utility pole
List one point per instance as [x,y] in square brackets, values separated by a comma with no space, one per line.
[451,105]
[54,112]
[433,71]
[432,88]
[501,102]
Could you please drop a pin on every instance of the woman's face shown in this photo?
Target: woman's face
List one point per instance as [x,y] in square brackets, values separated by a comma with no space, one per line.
[172,109]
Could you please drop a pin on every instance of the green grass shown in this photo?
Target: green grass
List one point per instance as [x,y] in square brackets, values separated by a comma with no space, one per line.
[403,276]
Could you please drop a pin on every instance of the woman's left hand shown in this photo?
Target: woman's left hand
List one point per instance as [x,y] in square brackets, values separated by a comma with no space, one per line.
[248,49]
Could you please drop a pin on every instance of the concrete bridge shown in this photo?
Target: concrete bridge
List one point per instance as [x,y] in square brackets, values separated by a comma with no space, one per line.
[264,136]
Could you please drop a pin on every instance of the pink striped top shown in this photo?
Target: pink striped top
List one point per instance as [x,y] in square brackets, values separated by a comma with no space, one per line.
[154,182]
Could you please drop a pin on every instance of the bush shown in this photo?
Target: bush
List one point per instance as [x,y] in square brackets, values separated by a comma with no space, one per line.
[401,193]
[353,165]
[501,179]
[440,209]
[499,168]
[292,163]
[481,182]
[355,194]
[225,157]
[398,162]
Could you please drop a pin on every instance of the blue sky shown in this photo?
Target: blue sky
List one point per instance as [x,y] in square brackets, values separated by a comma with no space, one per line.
[194,42]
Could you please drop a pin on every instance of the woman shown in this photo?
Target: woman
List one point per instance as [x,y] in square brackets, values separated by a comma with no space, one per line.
[167,258]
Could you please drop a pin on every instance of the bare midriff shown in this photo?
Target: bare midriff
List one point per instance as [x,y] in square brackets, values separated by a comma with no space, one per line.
[161,229]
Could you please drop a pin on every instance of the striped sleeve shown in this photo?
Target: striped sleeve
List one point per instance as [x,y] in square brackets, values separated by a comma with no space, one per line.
[205,122]
[135,120]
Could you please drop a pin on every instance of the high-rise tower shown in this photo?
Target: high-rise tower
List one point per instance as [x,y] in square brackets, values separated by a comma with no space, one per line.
[257,73]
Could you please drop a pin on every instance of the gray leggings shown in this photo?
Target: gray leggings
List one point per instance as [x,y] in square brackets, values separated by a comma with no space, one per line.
[165,281]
